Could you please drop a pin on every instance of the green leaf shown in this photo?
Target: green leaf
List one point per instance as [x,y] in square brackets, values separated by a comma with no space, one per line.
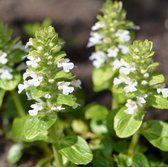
[68,100]
[36,93]
[15,153]
[10,84]
[156,79]
[18,128]
[96,112]
[31,28]
[102,78]
[158,101]
[101,161]
[140,160]
[36,128]
[17,55]
[126,125]
[98,127]
[123,160]
[156,132]
[2,93]
[75,149]
[62,74]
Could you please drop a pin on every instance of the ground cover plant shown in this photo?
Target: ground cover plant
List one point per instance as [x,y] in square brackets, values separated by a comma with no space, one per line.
[51,117]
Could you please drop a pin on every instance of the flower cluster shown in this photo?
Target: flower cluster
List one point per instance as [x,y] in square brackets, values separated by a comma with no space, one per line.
[11,52]
[48,79]
[137,76]
[111,35]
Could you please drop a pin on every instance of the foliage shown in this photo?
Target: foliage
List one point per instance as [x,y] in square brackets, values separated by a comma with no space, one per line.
[57,124]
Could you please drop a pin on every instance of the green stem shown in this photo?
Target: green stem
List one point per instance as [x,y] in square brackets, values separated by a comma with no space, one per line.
[133,144]
[18,103]
[57,158]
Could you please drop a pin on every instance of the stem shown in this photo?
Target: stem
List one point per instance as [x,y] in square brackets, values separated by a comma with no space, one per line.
[133,144]
[57,158]
[18,103]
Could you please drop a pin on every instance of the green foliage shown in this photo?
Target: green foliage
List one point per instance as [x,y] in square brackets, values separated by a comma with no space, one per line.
[102,78]
[91,136]
[36,128]
[156,132]
[75,149]
[158,101]
[31,28]
[11,84]
[2,93]
[140,160]
[126,125]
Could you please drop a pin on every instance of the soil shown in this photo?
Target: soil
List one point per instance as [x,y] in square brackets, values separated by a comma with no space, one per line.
[73,20]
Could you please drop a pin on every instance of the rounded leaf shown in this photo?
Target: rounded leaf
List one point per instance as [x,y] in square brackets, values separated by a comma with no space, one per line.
[75,149]
[125,124]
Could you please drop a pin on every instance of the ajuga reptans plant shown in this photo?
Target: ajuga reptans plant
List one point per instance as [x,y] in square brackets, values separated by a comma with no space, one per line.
[50,84]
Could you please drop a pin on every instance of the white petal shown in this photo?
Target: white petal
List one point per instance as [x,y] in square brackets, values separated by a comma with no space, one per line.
[33,112]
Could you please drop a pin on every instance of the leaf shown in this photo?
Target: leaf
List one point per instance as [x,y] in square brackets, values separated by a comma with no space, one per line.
[36,93]
[126,125]
[10,84]
[156,79]
[157,101]
[96,112]
[15,153]
[75,149]
[140,160]
[36,128]
[68,100]
[2,93]
[123,160]
[156,132]
[102,78]
[98,127]
[17,55]
[18,128]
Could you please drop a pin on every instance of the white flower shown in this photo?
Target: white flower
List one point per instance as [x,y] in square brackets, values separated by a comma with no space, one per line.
[76,83]
[47,96]
[127,69]
[131,87]
[146,75]
[95,38]
[124,49]
[66,65]
[3,58]
[21,87]
[33,61]
[123,35]
[142,99]
[57,108]
[98,58]
[118,80]
[5,73]
[164,92]
[65,87]
[144,82]
[131,107]
[97,26]
[35,81]
[35,109]
[112,52]
[117,64]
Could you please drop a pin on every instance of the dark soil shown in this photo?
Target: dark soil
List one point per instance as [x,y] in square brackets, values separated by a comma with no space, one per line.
[73,20]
